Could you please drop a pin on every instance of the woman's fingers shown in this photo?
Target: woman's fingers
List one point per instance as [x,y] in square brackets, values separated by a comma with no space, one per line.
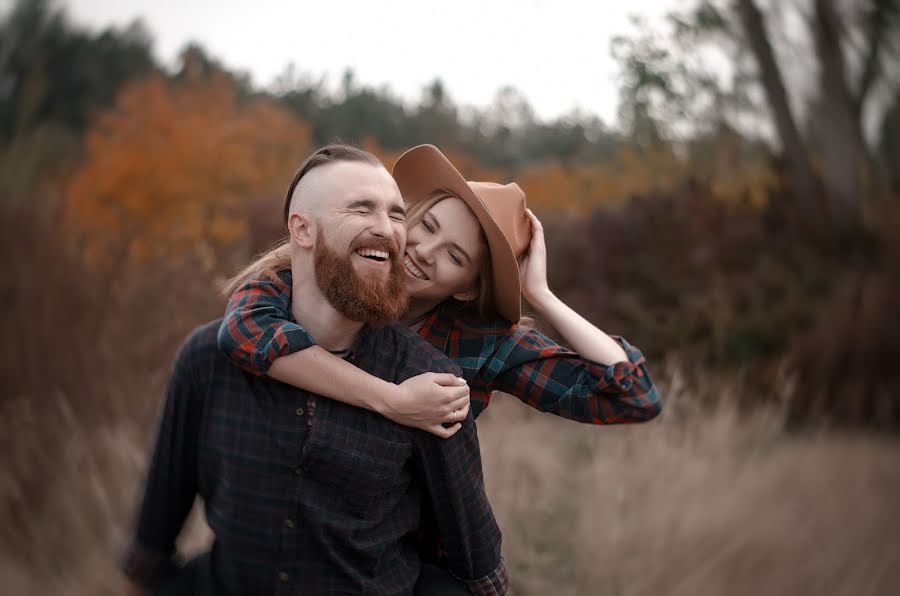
[459,404]
[448,379]
[442,432]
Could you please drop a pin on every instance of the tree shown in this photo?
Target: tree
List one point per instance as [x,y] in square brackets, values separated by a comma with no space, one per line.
[53,73]
[850,46]
[773,83]
[170,168]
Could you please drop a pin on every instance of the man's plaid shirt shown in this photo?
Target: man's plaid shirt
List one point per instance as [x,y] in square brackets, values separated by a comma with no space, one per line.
[493,356]
[307,495]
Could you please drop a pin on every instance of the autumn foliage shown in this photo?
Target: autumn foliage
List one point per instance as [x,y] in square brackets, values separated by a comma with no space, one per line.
[170,168]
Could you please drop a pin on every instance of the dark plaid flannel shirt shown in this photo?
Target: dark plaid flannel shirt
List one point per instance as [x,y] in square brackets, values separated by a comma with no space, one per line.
[307,495]
[493,355]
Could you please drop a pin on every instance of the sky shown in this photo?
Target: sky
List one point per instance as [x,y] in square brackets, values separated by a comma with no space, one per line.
[557,53]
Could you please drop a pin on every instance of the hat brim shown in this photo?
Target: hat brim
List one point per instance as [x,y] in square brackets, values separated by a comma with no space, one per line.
[424,169]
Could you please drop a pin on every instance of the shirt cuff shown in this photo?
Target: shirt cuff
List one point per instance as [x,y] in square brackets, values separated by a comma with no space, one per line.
[619,377]
[289,338]
[495,583]
[143,565]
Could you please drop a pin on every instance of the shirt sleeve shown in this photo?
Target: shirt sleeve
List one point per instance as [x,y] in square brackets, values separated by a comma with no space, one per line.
[469,532]
[258,326]
[551,378]
[171,483]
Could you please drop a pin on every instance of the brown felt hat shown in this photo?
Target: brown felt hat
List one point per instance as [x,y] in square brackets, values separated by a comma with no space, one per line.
[500,209]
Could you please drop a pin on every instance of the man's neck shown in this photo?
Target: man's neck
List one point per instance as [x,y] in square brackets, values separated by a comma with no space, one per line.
[331,330]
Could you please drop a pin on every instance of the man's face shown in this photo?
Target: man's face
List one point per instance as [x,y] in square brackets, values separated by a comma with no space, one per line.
[360,241]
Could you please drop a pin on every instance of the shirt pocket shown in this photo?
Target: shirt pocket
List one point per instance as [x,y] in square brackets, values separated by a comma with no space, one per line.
[360,468]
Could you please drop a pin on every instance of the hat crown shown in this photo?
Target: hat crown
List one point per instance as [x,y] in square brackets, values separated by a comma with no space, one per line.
[506,204]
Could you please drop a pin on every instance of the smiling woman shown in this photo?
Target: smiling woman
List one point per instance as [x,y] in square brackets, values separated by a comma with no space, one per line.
[445,247]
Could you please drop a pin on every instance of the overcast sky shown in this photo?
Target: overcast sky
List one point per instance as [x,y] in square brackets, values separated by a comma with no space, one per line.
[555,52]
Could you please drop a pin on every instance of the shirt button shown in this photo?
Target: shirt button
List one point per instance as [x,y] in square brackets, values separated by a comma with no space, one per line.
[282,576]
[298,470]
[289,523]
[299,411]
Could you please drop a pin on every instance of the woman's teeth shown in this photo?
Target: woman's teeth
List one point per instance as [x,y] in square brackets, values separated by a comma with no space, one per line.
[411,267]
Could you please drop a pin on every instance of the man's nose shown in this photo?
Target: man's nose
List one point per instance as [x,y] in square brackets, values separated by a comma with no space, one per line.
[381,225]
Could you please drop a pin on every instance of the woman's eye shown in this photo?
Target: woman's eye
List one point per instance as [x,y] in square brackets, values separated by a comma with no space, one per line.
[428,227]
[456,260]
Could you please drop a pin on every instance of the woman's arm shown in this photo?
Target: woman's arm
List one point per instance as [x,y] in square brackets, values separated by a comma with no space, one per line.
[579,334]
[258,335]
[605,382]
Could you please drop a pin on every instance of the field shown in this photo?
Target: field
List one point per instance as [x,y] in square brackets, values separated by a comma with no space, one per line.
[703,500]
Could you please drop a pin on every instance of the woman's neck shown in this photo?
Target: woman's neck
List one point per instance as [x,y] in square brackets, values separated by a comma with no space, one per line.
[417,313]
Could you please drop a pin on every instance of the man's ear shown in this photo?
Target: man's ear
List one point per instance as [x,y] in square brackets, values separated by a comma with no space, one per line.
[466,295]
[301,227]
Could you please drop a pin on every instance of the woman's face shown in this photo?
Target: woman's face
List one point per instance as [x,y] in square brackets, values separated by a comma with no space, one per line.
[443,252]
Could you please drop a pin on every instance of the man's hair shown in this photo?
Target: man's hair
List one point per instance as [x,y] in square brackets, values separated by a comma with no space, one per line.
[325,155]
[279,258]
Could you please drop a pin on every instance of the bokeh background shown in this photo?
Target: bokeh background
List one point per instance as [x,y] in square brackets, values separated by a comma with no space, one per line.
[734,210]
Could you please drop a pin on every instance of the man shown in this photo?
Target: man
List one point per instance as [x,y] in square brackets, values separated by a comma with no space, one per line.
[306,495]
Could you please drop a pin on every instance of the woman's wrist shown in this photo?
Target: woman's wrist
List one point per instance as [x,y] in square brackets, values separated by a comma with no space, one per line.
[542,301]
[380,400]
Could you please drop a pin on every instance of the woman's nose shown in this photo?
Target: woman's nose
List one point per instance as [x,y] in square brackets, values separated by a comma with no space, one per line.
[425,251]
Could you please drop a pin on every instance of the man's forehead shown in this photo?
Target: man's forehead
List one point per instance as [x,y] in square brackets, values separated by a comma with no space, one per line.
[346,178]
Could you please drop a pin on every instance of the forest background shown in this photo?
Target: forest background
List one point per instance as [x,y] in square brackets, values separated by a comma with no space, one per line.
[741,224]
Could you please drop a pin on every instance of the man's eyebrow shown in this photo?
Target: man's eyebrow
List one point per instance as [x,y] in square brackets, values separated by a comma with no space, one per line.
[370,205]
[362,204]
[437,225]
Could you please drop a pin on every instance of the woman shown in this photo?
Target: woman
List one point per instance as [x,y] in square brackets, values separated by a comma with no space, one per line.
[472,250]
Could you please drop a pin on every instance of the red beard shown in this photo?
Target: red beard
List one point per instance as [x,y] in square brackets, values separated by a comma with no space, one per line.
[375,302]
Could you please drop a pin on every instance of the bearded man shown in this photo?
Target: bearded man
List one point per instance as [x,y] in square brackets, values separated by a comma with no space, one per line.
[306,495]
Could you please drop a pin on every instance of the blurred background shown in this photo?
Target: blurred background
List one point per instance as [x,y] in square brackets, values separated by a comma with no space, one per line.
[719,181]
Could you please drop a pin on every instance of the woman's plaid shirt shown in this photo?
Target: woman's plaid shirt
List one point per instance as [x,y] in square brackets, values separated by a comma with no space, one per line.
[493,355]
[307,495]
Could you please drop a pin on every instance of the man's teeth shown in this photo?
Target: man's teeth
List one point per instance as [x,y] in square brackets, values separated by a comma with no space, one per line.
[372,253]
[411,267]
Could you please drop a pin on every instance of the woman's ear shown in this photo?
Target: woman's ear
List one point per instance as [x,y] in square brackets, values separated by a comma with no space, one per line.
[467,295]
[302,229]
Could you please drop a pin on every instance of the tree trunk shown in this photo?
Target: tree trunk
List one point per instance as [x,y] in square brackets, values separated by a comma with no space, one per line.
[776,95]
[840,128]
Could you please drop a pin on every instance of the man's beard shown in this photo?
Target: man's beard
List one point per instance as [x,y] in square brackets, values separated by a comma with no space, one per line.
[374,301]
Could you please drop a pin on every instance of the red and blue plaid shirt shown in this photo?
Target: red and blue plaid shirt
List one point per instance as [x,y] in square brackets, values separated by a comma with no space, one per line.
[493,355]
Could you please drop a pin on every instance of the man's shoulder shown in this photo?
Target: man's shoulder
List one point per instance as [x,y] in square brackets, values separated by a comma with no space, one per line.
[201,345]
[413,354]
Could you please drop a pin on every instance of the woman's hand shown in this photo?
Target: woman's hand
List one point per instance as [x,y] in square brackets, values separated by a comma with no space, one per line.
[533,265]
[427,401]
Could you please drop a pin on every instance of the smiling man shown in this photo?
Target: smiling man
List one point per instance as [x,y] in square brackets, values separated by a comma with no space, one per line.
[307,495]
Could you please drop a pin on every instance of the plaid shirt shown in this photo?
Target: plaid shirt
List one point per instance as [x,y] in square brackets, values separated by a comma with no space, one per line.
[309,495]
[493,356]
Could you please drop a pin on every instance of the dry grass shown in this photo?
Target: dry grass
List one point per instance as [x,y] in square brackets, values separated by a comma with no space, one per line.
[700,501]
